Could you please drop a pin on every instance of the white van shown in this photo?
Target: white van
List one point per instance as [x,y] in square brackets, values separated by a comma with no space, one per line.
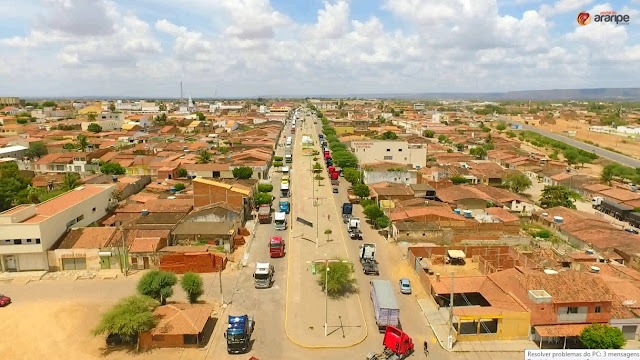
[289,141]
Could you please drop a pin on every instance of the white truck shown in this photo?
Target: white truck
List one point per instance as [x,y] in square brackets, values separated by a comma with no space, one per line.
[367,255]
[289,140]
[353,226]
[280,221]
[263,276]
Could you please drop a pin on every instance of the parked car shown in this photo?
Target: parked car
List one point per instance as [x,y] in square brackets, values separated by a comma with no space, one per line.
[631,230]
[4,300]
[335,190]
[118,340]
[405,286]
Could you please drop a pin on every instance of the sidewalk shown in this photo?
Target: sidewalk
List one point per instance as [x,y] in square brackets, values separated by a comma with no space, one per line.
[304,314]
[438,320]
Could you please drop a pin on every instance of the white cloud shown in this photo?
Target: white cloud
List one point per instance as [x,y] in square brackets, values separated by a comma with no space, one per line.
[563,7]
[333,21]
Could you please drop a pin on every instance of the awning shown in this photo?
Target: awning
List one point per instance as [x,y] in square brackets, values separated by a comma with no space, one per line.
[104,253]
[456,254]
[560,330]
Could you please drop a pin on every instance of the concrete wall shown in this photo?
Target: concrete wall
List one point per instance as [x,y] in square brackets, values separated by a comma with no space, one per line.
[147,341]
[205,194]
[91,256]
[403,177]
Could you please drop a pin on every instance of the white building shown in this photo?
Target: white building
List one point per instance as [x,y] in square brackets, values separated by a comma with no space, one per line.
[12,152]
[128,106]
[220,106]
[418,107]
[397,151]
[28,231]
[389,172]
[108,121]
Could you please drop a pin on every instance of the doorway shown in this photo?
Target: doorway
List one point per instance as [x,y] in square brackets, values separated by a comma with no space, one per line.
[145,261]
[105,263]
[11,263]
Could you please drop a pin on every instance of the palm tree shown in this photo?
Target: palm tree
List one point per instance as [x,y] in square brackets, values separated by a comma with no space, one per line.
[71,181]
[204,157]
[83,143]
[91,117]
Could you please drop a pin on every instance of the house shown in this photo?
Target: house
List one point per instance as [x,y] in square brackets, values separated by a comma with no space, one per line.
[397,151]
[82,248]
[210,170]
[232,193]
[389,172]
[28,231]
[13,152]
[464,197]
[215,223]
[390,191]
[179,325]
[108,121]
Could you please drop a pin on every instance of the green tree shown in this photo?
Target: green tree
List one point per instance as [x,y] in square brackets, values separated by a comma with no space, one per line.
[317,168]
[501,126]
[71,181]
[389,135]
[94,128]
[49,104]
[262,198]
[607,175]
[192,285]
[162,107]
[160,119]
[344,159]
[373,212]
[428,133]
[204,157]
[179,186]
[201,116]
[182,172]
[351,175]
[82,142]
[517,182]
[366,202]
[460,146]
[36,149]
[91,117]
[112,106]
[12,186]
[457,180]
[158,285]
[128,318]
[602,336]
[242,172]
[265,188]
[112,169]
[339,278]
[277,163]
[382,222]
[22,121]
[553,196]
[69,146]
[277,158]
[478,152]
[328,232]
[442,138]
[361,190]
[511,134]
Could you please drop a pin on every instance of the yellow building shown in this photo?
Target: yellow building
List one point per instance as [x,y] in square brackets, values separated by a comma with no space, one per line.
[90,109]
[344,129]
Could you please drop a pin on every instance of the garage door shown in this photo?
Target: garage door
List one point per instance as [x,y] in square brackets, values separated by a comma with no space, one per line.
[74,264]
[629,332]
[27,262]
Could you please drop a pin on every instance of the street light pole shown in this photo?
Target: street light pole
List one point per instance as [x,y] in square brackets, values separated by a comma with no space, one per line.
[326,297]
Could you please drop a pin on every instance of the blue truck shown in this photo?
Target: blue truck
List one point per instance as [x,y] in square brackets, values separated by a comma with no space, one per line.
[238,334]
[321,137]
[284,207]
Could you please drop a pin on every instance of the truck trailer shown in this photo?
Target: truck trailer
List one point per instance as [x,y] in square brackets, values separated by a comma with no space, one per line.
[347,210]
[385,305]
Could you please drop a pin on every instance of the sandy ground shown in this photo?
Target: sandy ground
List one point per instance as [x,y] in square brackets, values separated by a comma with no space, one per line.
[622,144]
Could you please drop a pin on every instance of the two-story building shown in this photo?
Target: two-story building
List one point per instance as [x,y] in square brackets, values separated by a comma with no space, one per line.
[28,231]
[108,121]
[397,151]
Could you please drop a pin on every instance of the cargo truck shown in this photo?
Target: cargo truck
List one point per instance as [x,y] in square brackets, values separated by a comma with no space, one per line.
[284,207]
[264,214]
[618,211]
[263,276]
[353,226]
[347,210]
[276,247]
[397,345]
[284,190]
[280,222]
[367,255]
[238,334]
[385,305]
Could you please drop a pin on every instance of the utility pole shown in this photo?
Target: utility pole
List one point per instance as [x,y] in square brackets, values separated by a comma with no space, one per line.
[124,252]
[326,289]
[450,340]
[220,279]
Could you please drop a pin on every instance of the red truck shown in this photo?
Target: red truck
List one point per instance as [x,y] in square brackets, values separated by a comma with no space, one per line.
[334,176]
[276,247]
[397,345]
[331,169]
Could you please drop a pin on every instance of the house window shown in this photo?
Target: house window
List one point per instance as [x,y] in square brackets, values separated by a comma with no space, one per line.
[28,240]
[400,150]
[17,241]
[37,241]
[388,150]
[93,210]
[80,218]
[388,157]
[598,310]
[572,310]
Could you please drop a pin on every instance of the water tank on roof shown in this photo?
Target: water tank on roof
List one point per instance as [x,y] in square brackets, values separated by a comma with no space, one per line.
[595,269]
[550,272]
[171,198]
[456,211]
[114,178]
[558,219]
[589,251]
[145,212]
[467,213]
[545,214]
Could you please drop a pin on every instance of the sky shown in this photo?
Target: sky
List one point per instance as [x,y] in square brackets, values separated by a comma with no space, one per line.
[251,48]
